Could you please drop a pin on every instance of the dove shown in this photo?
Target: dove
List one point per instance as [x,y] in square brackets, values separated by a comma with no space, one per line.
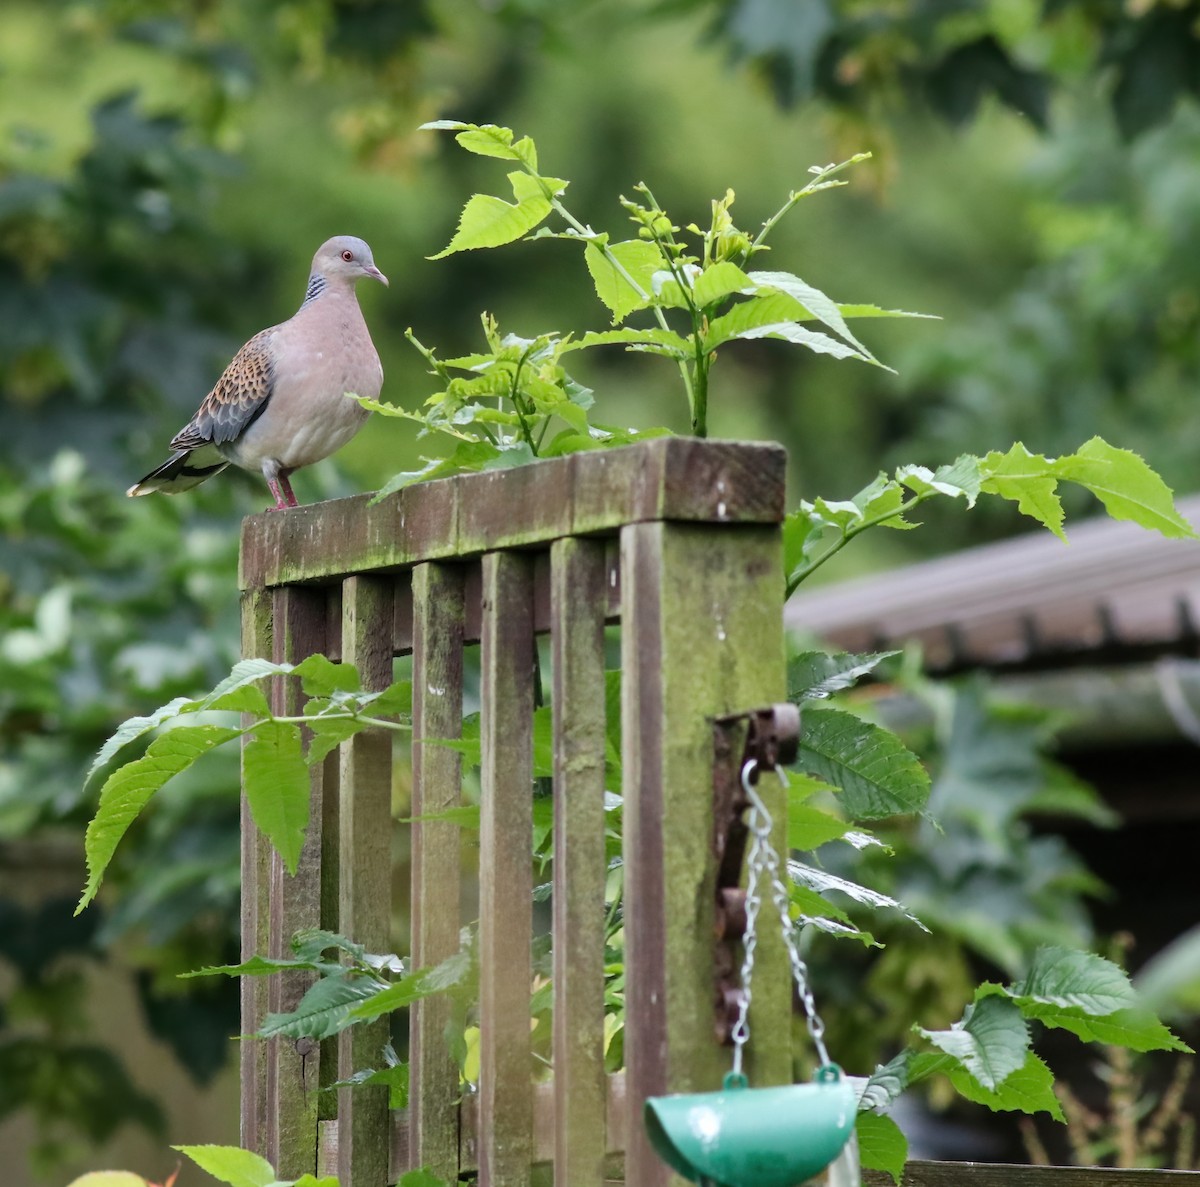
[281,403]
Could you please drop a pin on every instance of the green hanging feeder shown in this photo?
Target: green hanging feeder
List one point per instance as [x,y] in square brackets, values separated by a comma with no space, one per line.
[761,1137]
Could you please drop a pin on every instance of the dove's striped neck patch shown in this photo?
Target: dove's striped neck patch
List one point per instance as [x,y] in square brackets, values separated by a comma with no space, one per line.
[316,286]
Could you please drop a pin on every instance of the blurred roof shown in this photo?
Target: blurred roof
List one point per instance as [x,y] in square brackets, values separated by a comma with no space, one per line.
[1116,593]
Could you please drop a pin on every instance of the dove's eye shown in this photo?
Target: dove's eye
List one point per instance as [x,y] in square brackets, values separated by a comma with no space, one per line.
[347,256]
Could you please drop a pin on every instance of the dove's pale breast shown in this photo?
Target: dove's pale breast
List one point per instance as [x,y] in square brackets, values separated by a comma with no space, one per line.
[323,352]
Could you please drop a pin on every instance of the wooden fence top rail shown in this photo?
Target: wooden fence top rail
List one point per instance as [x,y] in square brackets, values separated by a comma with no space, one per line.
[593,493]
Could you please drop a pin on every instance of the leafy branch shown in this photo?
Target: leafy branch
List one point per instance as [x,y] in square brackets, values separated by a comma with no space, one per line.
[1120,479]
[660,272]
[280,749]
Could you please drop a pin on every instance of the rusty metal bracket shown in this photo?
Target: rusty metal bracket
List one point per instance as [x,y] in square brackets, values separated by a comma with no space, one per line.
[771,737]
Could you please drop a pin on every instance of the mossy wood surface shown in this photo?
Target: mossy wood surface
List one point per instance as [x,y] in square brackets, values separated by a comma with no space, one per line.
[530,506]
[983,1174]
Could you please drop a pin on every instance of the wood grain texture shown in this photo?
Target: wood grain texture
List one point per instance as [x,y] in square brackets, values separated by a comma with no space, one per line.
[701,636]
[437,633]
[670,478]
[365,884]
[256,865]
[577,611]
[505,874]
[300,620]
[984,1174]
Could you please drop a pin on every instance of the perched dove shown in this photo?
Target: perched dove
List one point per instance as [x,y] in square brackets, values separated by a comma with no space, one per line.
[281,403]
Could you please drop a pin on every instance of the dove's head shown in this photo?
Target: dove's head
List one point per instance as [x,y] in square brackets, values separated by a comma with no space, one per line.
[345,258]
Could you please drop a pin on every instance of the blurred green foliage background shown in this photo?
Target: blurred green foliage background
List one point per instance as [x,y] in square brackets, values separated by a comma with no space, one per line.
[167,168]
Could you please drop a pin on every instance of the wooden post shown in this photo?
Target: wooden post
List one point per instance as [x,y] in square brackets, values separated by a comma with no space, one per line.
[293,1066]
[577,606]
[702,635]
[365,876]
[438,618]
[505,873]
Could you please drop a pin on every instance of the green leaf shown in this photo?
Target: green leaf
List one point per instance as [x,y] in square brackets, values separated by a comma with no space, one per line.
[128,789]
[328,733]
[762,310]
[885,1083]
[487,221]
[815,341]
[1136,1028]
[256,966]
[879,776]
[1128,488]
[417,985]
[718,281]
[881,1145]
[652,340]
[639,259]
[991,1041]
[421,1178]
[324,1010]
[962,478]
[809,827]
[1028,479]
[394,1078]
[468,457]
[320,676]
[1075,979]
[231,1164]
[853,310]
[814,675]
[487,140]
[822,882]
[276,783]
[133,728]
[817,304]
[1030,1089]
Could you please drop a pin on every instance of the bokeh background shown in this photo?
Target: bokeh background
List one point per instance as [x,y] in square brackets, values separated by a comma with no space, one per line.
[167,168]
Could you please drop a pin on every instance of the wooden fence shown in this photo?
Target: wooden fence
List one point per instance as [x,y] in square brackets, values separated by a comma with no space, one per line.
[677,540]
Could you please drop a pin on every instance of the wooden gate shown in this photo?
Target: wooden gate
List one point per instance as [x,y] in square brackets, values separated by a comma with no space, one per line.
[679,542]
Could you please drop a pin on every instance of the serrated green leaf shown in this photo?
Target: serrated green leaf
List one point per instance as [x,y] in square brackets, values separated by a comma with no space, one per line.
[960,479]
[394,1079]
[813,339]
[1028,479]
[636,258]
[421,1178]
[1075,979]
[823,882]
[488,221]
[328,733]
[658,341]
[814,675]
[718,281]
[885,1083]
[231,1164]
[1030,1089]
[467,457]
[324,1010]
[763,310]
[818,305]
[808,828]
[854,310]
[136,727]
[275,780]
[320,676]
[1126,485]
[419,984]
[1136,1028]
[881,1145]
[879,776]
[128,789]
[256,966]
[991,1041]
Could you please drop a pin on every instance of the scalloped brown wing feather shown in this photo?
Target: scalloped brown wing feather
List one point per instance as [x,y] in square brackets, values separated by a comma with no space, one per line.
[240,395]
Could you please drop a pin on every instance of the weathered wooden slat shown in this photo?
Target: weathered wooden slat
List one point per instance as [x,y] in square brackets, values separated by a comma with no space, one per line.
[293,1067]
[365,859]
[505,874]
[545,1126]
[256,864]
[437,633]
[577,607]
[701,635]
[677,479]
[327,1102]
[984,1174]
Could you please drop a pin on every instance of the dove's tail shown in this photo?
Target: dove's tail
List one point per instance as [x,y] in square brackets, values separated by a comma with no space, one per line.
[181,471]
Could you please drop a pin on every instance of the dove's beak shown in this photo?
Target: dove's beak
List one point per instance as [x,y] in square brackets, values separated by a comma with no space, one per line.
[371,270]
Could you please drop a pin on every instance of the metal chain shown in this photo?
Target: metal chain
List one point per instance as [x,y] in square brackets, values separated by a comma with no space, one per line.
[762,859]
